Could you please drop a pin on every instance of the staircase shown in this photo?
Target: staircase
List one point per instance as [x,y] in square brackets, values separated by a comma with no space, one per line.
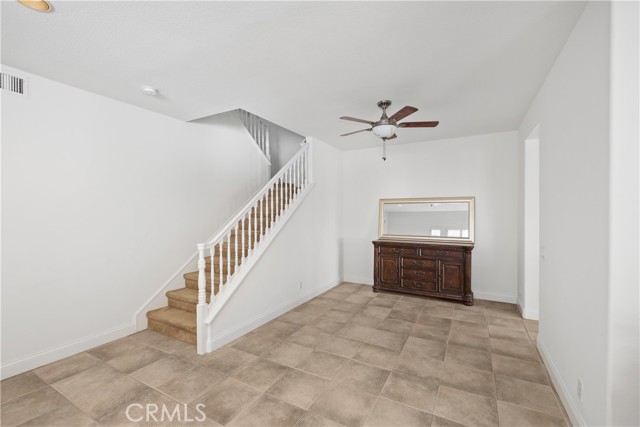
[224,261]
[178,319]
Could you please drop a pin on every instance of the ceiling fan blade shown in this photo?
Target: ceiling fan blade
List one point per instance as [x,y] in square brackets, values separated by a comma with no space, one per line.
[394,136]
[353,119]
[351,133]
[404,112]
[418,124]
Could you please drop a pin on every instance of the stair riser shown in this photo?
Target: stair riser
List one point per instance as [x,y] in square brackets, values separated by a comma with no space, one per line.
[193,283]
[172,331]
[182,305]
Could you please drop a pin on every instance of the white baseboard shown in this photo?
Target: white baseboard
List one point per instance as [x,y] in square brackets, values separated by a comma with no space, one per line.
[495,297]
[572,410]
[229,335]
[42,358]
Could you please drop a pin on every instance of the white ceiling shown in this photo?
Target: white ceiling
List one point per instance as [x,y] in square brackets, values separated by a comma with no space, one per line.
[475,66]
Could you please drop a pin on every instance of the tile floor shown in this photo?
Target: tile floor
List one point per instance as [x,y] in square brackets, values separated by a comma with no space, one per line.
[348,357]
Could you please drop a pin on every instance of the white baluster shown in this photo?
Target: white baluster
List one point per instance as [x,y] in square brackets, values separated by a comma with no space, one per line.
[261,203]
[220,248]
[202,275]
[277,198]
[228,257]
[268,213]
[255,223]
[212,253]
[242,227]
[236,264]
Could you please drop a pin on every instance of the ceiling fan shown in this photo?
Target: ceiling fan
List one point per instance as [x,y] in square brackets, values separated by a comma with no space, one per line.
[386,127]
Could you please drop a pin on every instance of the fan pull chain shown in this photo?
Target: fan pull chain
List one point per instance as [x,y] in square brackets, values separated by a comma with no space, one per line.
[384,149]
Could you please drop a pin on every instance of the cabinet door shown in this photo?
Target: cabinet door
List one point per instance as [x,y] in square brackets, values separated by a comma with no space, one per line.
[389,270]
[451,277]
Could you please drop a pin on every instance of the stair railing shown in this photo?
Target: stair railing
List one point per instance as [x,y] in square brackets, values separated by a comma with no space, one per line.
[247,228]
[258,131]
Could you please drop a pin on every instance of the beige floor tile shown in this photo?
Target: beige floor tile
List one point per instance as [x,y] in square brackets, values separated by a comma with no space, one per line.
[358,299]
[312,309]
[256,344]
[369,322]
[471,317]
[191,384]
[392,296]
[67,367]
[383,302]
[20,385]
[340,346]
[517,416]
[397,326]
[32,405]
[419,393]
[227,399]
[420,366]
[518,368]
[408,315]
[297,318]
[269,411]
[472,341]
[443,422]
[322,364]
[430,333]
[314,420]
[466,408]
[476,359]
[347,406]
[299,388]
[261,373]
[115,348]
[518,350]
[99,390]
[65,416]
[363,376]
[437,322]
[374,311]
[530,325]
[288,353]
[159,341]
[322,302]
[277,329]
[476,308]
[534,396]
[226,359]
[472,380]
[508,334]
[387,413]
[327,325]
[378,356]
[308,337]
[438,312]
[436,302]
[355,332]
[533,336]
[339,315]
[418,348]
[506,322]
[386,339]
[136,359]
[470,328]
[162,371]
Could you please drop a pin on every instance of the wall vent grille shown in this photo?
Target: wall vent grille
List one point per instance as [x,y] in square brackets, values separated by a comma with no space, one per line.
[13,84]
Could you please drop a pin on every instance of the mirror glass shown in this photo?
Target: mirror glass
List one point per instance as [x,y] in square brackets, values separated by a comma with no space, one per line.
[443,219]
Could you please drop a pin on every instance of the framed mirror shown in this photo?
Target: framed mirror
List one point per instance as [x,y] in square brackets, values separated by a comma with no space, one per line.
[443,219]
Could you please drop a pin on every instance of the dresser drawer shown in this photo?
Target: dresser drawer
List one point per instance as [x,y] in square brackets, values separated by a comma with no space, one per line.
[441,253]
[419,274]
[400,251]
[418,284]
[419,263]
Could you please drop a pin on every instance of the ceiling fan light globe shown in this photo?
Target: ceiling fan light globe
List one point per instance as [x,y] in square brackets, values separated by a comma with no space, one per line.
[384,131]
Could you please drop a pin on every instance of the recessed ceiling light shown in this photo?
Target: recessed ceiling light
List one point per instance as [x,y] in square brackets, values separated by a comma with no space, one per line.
[38,5]
[150,91]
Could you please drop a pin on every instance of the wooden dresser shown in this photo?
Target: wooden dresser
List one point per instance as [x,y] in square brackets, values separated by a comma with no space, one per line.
[435,270]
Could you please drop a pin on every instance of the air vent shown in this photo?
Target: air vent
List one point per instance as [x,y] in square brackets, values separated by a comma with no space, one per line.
[13,84]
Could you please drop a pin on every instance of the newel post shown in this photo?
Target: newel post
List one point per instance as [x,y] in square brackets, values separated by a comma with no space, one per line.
[201,308]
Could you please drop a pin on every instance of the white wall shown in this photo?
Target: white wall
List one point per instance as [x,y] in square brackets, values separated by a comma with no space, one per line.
[572,110]
[624,215]
[303,260]
[101,203]
[283,144]
[484,166]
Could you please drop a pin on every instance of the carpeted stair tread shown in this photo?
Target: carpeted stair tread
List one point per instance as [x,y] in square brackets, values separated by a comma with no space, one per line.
[179,319]
[186,294]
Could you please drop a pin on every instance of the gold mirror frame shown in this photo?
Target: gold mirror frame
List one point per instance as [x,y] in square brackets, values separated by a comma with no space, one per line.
[443,239]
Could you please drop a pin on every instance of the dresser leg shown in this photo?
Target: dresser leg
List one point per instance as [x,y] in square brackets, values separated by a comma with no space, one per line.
[468,299]
[376,288]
